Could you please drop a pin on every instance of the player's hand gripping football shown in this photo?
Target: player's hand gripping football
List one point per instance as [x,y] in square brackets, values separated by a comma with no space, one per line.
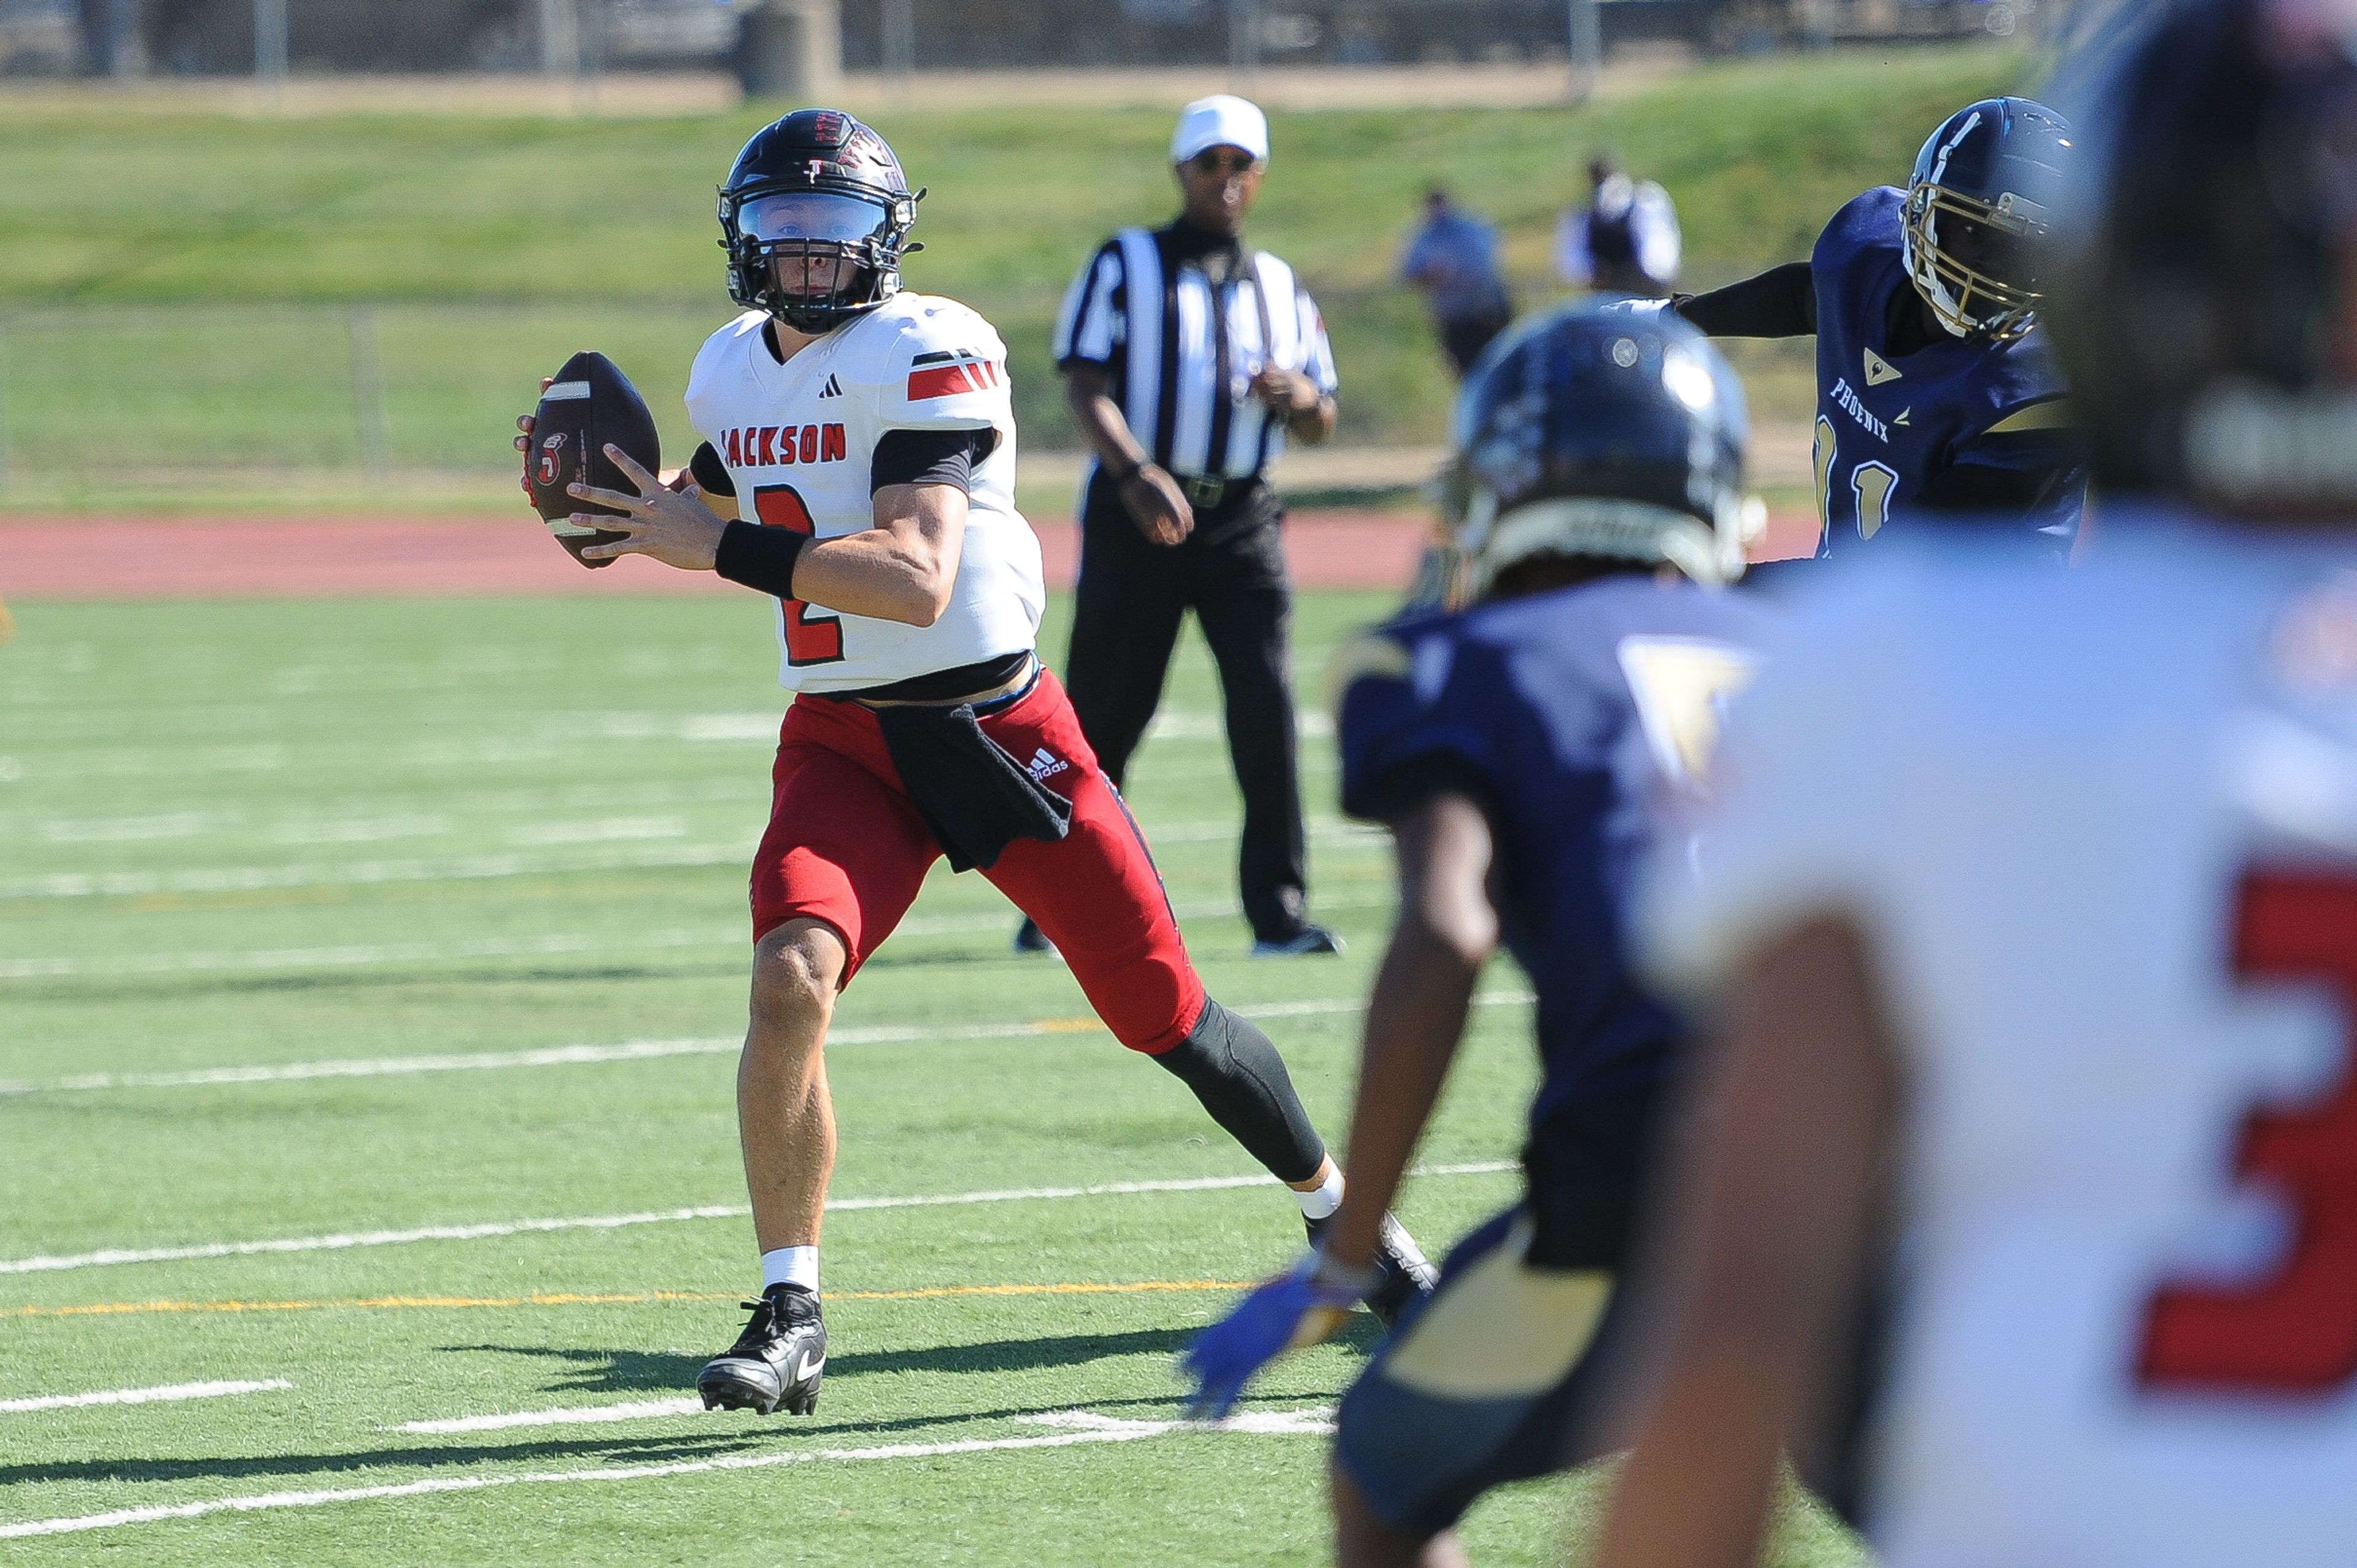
[674,526]
[526,425]
[1301,1307]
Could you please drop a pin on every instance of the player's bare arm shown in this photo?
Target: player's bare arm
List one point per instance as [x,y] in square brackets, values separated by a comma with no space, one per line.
[1446,931]
[1770,1235]
[1152,497]
[900,570]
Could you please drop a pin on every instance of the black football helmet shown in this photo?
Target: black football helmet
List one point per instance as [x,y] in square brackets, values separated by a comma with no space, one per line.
[2207,312]
[1979,214]
[815,218]
[1599,431]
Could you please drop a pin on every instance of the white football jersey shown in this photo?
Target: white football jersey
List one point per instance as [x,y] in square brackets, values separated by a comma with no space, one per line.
[2100,829]
[798,439]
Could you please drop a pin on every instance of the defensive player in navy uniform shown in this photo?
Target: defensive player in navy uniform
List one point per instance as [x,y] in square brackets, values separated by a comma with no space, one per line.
[1936,393]
[2123,1163]
[1517,749]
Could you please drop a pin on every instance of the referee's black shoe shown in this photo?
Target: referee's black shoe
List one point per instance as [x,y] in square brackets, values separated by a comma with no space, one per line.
[1309,939]
[1402,1275]
[1029,938]
[778,1361]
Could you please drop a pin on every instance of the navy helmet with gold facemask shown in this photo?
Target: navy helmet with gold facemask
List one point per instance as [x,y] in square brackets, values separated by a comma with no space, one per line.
[1980,213]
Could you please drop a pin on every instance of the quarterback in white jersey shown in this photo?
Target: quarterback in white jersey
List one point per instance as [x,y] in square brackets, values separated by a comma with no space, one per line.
[865,438]
[800,443]
[2029,919]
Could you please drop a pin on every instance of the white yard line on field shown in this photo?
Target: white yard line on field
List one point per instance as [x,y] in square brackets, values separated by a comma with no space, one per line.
[626,1051]
[1309,1422]
[1080,1427]
[577,1416]
[361,955]
[115,1256]
[1329,831]
[141,1396]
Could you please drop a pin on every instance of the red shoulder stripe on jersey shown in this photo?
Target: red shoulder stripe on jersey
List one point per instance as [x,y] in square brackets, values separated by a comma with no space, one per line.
[947,379]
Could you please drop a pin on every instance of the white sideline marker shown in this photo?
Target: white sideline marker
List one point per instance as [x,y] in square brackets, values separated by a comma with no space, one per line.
[142,1396]
[1083,1427]
[626,1051]
[112,1256]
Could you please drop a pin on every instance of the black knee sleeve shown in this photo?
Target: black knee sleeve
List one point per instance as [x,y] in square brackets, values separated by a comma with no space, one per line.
[1235,1071]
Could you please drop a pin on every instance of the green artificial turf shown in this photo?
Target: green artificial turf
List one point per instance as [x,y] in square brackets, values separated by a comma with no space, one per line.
[245,836]
[370,292]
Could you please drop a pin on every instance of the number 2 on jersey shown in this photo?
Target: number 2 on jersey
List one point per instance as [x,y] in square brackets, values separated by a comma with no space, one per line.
[813,637]
[2295,1331]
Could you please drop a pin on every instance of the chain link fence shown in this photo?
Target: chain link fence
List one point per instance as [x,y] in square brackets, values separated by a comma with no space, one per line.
[268,38]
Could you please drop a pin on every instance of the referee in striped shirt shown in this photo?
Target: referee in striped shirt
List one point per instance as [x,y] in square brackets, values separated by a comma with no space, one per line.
[1188,358]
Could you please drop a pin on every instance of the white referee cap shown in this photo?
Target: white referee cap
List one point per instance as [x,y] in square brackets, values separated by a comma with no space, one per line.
[1221,120]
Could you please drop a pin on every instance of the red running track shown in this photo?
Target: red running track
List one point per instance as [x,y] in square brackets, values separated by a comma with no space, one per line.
[98,557]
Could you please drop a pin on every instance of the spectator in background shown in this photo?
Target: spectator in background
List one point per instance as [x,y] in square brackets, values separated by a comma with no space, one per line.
[1453,263]
[1625,241]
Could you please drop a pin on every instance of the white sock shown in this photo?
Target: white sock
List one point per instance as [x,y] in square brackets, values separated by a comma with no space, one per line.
[1324,1197]
[791,1266]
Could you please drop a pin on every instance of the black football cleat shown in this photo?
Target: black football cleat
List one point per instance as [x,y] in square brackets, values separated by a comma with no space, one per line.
[778,1361]
[1402,1275]
[1308,942]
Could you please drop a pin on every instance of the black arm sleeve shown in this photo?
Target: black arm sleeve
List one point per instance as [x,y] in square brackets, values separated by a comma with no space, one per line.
[929,457]
[759,558]
[1985,487]
[1780,303]
[710,472]
[1405,787]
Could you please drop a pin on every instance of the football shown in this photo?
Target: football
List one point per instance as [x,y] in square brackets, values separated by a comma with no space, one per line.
[589,404]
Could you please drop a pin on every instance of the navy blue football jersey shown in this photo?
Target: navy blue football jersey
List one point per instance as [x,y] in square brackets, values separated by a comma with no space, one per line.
[1567,714]
[1890,424]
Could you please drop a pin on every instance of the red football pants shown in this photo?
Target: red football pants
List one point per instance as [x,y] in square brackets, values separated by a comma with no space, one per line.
[844,845]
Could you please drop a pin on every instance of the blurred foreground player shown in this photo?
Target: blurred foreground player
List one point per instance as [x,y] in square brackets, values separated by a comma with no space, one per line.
[2071,966]
[1516,749]
[1936,393]
[868,436]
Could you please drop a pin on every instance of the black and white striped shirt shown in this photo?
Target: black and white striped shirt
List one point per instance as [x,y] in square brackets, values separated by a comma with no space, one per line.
[1181,348]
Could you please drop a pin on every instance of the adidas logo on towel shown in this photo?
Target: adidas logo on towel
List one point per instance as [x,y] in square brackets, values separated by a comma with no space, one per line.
[1042,766]
[833,388]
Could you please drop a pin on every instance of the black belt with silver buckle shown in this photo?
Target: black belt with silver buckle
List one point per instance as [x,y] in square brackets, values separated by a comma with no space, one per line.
[1201,490]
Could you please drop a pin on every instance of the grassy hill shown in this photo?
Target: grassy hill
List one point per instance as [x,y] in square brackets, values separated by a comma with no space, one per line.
[377,292]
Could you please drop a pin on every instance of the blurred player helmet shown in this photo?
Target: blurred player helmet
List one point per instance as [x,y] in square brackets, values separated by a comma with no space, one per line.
[2207,304]
[1979,211]
[815,218]
[1599,431]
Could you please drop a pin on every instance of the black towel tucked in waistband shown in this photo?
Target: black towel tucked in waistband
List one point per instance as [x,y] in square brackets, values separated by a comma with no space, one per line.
[975,797]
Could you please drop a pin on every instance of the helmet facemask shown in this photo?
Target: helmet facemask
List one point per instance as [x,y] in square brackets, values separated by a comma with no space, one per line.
[815,258]
[1976,262]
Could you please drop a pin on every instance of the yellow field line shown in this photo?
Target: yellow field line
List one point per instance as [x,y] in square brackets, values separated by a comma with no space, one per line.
[566,1298]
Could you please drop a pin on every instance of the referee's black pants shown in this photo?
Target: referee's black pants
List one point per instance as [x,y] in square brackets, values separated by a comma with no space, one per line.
[1132,595]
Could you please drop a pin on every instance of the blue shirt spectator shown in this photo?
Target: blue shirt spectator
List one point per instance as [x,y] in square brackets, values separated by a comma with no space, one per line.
[1453,262]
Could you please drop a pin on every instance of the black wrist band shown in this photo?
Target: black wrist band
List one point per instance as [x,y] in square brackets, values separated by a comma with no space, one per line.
[758,557]
[1129,473]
